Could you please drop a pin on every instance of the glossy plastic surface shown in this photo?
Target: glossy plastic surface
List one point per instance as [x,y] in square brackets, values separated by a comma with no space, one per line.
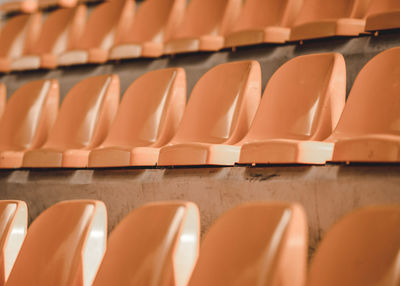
[204,26]
[30,113]
[13,227]
[60,31]
[156,244]
[148,116]
[255,244]
[264,21]
[362,249]
[383,15]
[328,18]
[228,95]
[369,130]
[106,23]
[60,3]
[301,106]
[154,23]
[83,123]
[64,246]
[3,99]
[24,6]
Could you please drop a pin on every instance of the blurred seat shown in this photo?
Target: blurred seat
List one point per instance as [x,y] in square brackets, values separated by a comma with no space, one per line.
[264,21]
[16,6]
[328,18]
[255,244]
[369,128]
[383,15]
[362,249]
[204,26]
[107,22]
[3,99]
[29,114]
[44,4]
[218,115]
[18,37]
[13,226]
[64,246]
[156,244]
[83,123]
[301,106]
[153,24]
[147,119]
[61,30]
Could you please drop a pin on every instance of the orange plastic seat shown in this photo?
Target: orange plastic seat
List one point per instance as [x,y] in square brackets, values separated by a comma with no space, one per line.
[28,117]
[64,246]
[83,123]
[204,26]
[43,4]
[107,22]
[24,6]
[218,115]
[148,116]
[328,18]
[3,98]
[154,23]
[255,244]
[13,226]
[300,107]
[368,130]
[18,37]
[383,15]
[264,21]
[61,30]
[362,249]
[156,244]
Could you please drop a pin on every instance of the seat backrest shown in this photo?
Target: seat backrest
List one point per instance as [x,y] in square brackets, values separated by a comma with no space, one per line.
[19,35]
[316,10]
[255,244]
[156,244]
[63,246]
[303,99]
[155,21]
[13,227]
[380,6]
[150,110]
[222,104]
[3,99]
[30,113]
[209,17]
[61,30]
[86,113]
[264,13]
[373,105]
[361,249]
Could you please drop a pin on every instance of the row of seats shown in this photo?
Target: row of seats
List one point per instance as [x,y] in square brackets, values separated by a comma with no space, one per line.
[302,117]
[114,31]
[31,6]
[158,244]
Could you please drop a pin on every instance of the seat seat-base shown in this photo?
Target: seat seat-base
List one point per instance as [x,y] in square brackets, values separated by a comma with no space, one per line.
[276,35]
[383,21]
[26,6]
[327,28]
[11,159]
[188,45]
[130,51]
[52,158]
[284,151]
[80,57]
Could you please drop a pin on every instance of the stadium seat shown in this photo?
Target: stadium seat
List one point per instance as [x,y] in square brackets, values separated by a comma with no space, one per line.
[83,123]
[18,37]
[255,244]
[362,249]
[383,15]
[368,130]
[148,116]
[61,29]
[107,23]
[3,99]
[156,244]
[13,226]
[264,21]
[301,106]
[218,115]
[328,18]
[44,4]
[154,22]
[64,246]
[204,26]
[29,114]
[15,6]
